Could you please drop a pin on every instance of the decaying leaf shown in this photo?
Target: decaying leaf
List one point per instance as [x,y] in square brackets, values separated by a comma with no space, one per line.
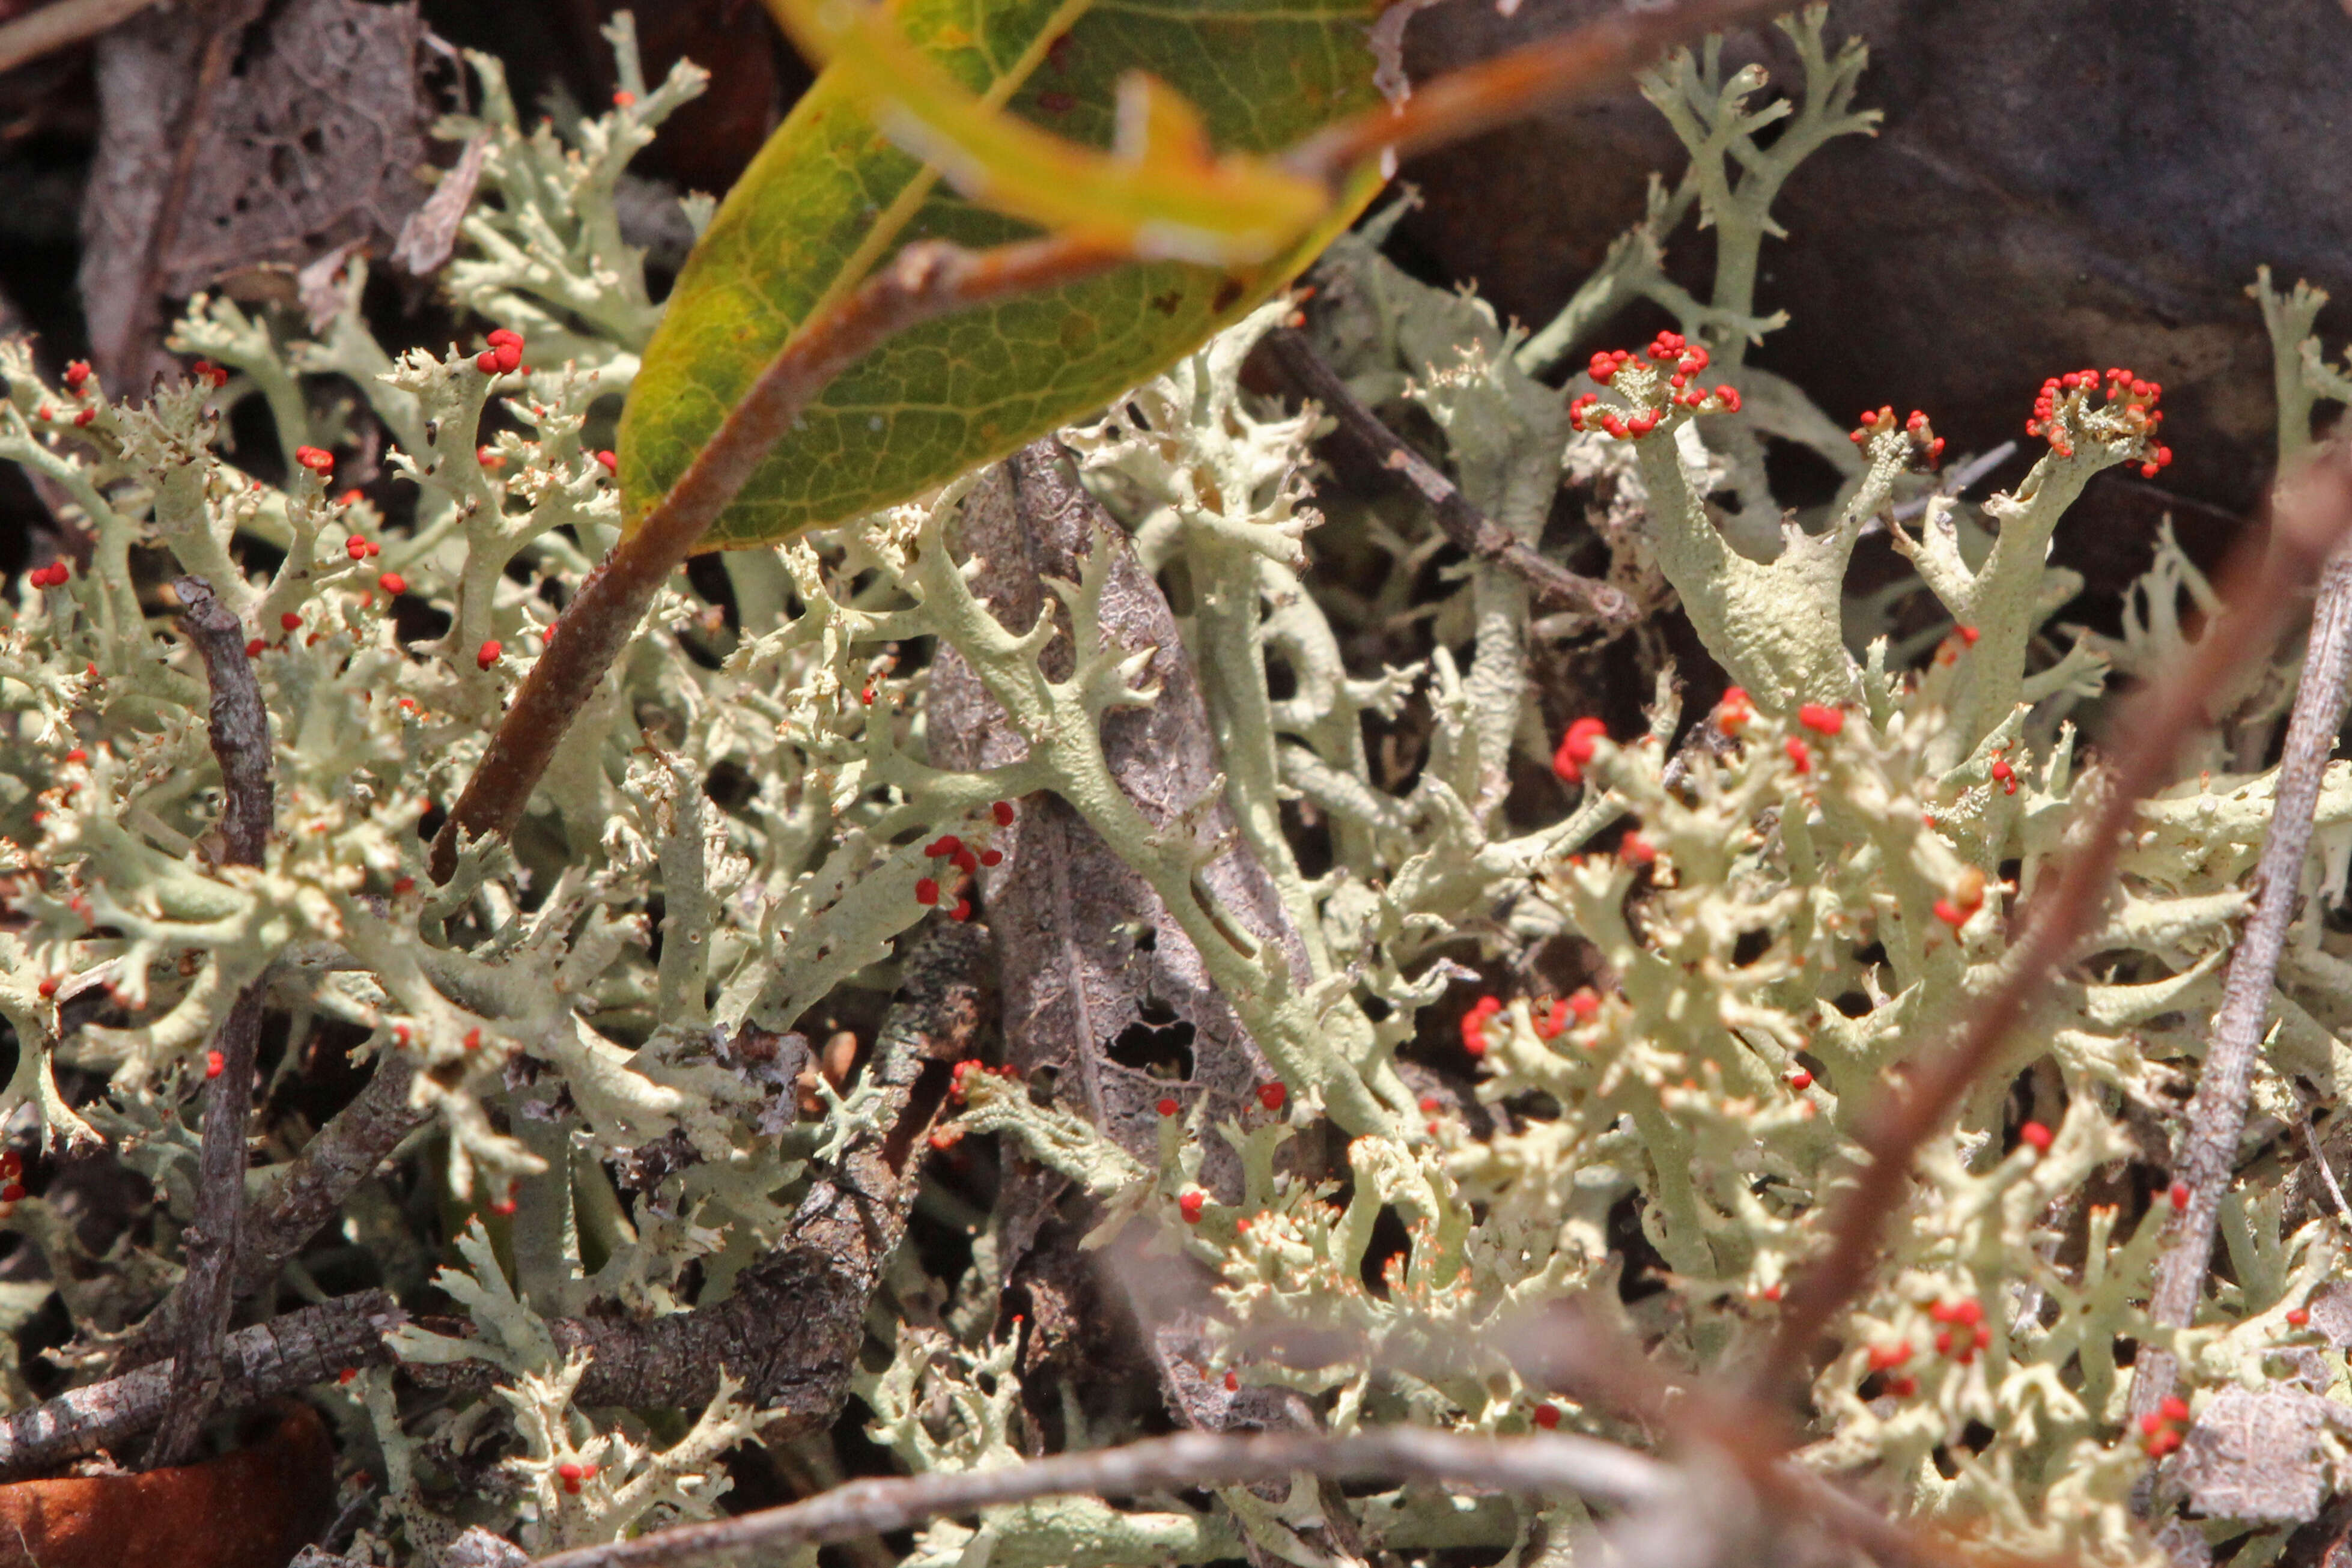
[2256,1456]
[233,139]
[1106,1004]
[252,1508]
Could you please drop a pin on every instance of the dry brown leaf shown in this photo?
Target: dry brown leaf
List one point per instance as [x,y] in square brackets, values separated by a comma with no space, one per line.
[252,1508]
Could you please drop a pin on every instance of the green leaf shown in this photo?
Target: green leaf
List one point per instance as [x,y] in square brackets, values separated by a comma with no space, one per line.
[828,199]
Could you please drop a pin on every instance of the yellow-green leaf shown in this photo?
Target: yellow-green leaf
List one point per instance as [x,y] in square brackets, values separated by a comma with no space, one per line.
[829,198]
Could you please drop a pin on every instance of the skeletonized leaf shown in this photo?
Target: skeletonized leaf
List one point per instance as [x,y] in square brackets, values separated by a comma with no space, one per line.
[829,198]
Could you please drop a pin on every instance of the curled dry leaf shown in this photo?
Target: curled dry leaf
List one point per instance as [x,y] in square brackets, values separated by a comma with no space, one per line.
[252,1509]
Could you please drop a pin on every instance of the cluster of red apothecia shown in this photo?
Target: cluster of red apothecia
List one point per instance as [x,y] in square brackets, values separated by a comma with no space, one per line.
[2138,398]
[965,860]
[1550,1021]
[1679,385]
[1927,447]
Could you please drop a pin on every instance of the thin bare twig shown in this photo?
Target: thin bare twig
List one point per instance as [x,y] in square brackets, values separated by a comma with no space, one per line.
[239,732]
[922,282]
[2217,1117]
[61,26]
[2308,522]
[287,1353]
[1480,98]
[1463,524]
[1558,1463]
[2327,1173]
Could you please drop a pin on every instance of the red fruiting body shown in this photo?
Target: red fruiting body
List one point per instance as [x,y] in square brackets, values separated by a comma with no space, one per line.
[501,337]
[1950,914]
[1551,1023]
[315,459]
[946,844]
[402,885]
[253,650]
[1189,1205]
[473,1040]
[963,910]
[1799,757]
[2298,1316]
[2180,1195]
[1968,635]
[1801,1080]
[1821,719]
[290,621]
[623,99]
[1233,1382]
[2174,1408]
[85,419]
[1637,849]
[1167,1105]
[214,1063]
[991,857]
[13,1192]
[488,459]
[47,987]
[926,891]
[1002,812]
[356,547]
[1272,1095]
[1885,1357]
[487,654]
[487,361]
[610,461]
[393,583]
[1545,1416]
[1584,1003]
[2035,1135]
[1904,1387]
[77,755]
[77,374]
[1576,748]
[348,1373]
[2005,775]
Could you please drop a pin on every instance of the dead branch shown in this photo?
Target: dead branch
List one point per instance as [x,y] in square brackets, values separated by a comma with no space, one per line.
[1558,1463]
[239,732]
[2217,1117]
[1463,524]
[925,280]
[2310,520]
[280,1356]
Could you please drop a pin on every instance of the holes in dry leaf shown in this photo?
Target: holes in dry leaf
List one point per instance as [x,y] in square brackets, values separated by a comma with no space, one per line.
[1157,1042]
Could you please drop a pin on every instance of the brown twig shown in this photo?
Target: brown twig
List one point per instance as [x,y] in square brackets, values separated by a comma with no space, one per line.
[1463,524]
[2308,522]
[1559,1463]
[2217,1117]
[1479,97]
[923,281]
[239,732]
[61,26]
[282,1355]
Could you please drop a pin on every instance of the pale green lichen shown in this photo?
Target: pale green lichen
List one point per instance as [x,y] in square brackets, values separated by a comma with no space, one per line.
[1800,899]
